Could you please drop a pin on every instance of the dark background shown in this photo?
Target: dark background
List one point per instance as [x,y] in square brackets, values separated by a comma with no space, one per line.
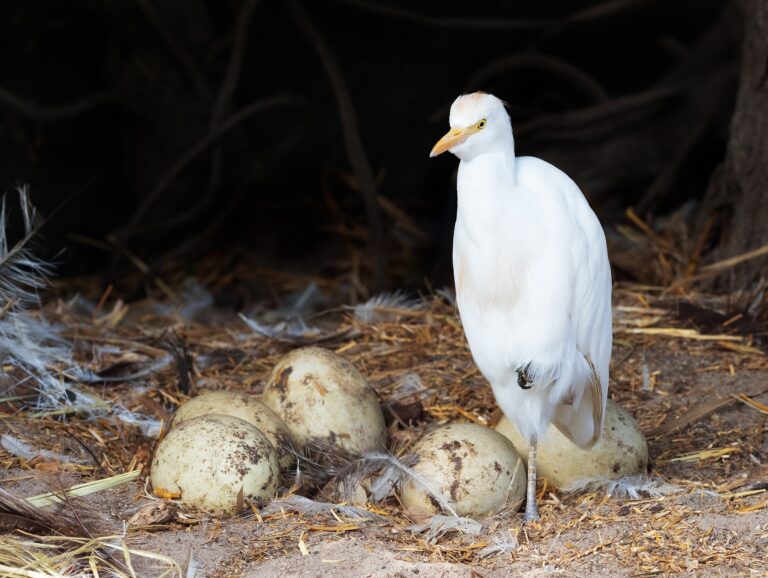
[99,100]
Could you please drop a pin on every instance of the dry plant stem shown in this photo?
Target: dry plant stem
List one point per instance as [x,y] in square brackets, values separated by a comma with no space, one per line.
[199,206]
[48,113]
[594,12]
[607,9]
[218,123]
[720,267]
[599,112]
[186,61]
[220,107]
[352,141]
[187,247]
[531,509]
[435,22]
[91,453]
[235,64]
[202,145]
[708,98]
[573,74]
[666,179]
[703,409]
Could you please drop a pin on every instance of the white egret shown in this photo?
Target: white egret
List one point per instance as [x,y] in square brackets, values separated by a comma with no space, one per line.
[533,283]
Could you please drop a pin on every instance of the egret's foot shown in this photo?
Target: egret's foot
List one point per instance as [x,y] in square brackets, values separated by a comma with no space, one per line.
[531,513]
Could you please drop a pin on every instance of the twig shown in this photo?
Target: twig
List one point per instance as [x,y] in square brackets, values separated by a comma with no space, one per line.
[187,246]
[679,333]
[733,261]
[719,267]
[352,141]
[575,75]
[664,181]
[183,361]
[699,411]
[83,445]
[570,72]
[223,102]
[744,398]
[202,145]
[606,9]
[594,12]
[437,22]
[708,100]
[56,112]
[186,61]
[600,111]
[193,210]
[693,262]
[235,64]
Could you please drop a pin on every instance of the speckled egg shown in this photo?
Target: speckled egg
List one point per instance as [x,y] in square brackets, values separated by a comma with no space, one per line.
[323,399]
[474,467]
[209,460]
[246,407]
[622,451]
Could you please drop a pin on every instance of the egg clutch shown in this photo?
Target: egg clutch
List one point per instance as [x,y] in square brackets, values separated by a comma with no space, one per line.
[223,448]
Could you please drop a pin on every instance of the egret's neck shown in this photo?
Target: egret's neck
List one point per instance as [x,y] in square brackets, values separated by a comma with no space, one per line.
[485,183]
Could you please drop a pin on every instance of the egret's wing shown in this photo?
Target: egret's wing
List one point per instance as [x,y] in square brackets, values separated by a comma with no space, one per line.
[582,421]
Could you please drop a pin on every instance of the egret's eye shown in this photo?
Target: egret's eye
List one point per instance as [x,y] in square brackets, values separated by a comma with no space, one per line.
[481,125]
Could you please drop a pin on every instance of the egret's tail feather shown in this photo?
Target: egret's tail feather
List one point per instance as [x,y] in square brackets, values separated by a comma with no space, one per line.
[579,415]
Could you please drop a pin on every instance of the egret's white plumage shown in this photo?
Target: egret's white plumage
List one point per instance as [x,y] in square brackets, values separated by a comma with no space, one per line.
[533,283]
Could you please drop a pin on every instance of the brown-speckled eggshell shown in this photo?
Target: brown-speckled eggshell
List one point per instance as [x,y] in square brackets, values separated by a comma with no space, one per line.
[246,407]
[474,467]
[209,459]
[621,451]
[324,399]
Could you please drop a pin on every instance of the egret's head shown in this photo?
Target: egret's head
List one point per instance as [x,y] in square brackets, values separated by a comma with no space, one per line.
[479,123]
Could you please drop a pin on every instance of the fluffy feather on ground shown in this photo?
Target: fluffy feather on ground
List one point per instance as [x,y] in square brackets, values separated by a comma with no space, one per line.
[17,447]
[629,487]
[504,542]
[27,341]
[42,359]
[306,506]
[22,274]
[342,475]
[385,306]
[295,332]
[439,525]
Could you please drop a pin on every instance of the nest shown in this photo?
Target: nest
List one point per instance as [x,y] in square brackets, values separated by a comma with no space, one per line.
[694,388]
[83,411]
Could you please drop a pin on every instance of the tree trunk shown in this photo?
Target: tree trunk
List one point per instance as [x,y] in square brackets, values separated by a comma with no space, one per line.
[735,207]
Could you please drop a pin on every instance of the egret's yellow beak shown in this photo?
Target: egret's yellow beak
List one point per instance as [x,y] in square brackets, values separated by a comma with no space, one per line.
[452,138]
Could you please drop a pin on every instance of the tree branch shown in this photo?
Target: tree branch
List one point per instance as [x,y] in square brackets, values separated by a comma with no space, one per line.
[56,112]
[352,141]
[436,22]
[201,146]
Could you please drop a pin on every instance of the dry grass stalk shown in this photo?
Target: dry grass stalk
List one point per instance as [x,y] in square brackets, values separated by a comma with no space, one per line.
[79,490]
[32,556]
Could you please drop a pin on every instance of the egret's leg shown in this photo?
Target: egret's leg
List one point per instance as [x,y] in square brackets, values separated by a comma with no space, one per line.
[531,510]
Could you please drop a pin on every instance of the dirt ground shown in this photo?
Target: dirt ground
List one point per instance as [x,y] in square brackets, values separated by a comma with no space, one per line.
[680,387]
